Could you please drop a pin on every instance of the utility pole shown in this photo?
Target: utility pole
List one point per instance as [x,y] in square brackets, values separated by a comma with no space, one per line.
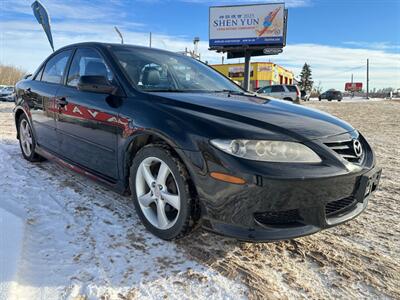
[223,58]
[150,40]
[367,78]
[352,89]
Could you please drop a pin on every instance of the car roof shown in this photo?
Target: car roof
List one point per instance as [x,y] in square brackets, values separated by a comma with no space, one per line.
[110,45]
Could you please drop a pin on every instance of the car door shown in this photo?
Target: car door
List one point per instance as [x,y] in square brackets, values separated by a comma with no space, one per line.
[39,94]
[87,122]
[277,91]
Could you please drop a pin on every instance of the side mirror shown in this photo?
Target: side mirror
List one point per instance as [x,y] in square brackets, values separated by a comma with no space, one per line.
[96,84]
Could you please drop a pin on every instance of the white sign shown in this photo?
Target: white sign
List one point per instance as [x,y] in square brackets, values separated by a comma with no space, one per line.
[259,24]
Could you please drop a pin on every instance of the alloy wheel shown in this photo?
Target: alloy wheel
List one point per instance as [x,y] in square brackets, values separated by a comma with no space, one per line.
[157,193]
[25,136]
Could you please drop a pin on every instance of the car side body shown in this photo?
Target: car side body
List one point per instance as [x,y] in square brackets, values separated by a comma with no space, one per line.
[100,134]
[7,94]
[331,95]
[280,91]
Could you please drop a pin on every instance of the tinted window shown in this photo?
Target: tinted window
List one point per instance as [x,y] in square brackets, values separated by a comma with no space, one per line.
[292,88]
[55,67]
[87,62]
[277,89]
[155,70]
[39,74]
[266,89]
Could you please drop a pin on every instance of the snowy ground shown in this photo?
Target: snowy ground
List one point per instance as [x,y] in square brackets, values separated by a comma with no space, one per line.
[77,240]
[353,99]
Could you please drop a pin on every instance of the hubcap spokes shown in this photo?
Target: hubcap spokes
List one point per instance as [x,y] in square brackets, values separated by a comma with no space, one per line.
[157,193]
[26,137]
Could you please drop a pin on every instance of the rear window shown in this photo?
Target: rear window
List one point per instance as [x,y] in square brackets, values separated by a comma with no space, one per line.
[292,88]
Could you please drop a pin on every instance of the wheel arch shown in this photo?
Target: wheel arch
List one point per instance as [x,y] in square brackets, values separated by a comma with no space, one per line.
[139,141]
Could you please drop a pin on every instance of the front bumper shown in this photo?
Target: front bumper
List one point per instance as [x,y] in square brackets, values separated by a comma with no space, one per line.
[279,201]
[302,214]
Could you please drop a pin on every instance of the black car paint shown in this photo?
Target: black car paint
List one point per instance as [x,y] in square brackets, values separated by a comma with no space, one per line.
[101,146]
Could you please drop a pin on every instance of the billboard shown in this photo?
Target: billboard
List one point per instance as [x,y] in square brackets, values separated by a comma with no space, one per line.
[258,24]
[353,86]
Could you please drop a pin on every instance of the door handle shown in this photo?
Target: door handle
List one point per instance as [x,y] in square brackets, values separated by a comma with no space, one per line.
[61,102]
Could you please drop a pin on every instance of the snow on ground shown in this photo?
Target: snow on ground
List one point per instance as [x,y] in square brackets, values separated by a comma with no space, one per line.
[82,241]
[353,99]
[11,237]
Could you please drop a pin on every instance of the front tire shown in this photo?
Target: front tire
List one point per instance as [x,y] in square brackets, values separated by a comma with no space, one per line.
[160,190]
[27,140]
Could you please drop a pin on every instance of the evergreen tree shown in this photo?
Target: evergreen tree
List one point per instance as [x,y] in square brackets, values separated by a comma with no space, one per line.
[306,82]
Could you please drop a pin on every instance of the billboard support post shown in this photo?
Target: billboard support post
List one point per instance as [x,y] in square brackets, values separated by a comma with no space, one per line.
[247,57]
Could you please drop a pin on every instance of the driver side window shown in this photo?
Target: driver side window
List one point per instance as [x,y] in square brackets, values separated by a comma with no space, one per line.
[87,62]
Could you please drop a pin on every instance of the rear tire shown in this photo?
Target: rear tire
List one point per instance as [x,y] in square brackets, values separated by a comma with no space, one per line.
[288,99]
[27,141]
[159,183]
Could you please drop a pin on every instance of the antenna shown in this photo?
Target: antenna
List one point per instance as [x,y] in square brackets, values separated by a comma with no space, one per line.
[119,33]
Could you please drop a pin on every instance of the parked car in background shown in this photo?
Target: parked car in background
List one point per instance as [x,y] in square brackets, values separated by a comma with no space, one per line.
[191,147]
[331,95]
[304,95]
[281,91]
[7,94]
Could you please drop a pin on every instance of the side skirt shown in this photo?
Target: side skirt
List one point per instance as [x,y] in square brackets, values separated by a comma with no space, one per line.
[116,186]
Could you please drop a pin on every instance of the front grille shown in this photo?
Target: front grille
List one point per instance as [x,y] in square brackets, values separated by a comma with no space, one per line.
[345,149]
[340,206]
[287,217]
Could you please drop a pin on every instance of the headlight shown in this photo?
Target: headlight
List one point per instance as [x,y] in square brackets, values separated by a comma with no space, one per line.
[273,151]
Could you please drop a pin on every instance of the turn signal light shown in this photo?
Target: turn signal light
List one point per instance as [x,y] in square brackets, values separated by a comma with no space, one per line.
[227,178]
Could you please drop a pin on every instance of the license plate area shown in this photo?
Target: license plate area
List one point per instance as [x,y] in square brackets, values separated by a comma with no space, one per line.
[372,183]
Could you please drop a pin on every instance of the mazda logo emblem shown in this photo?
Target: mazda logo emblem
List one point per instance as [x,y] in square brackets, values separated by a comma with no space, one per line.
[357,148]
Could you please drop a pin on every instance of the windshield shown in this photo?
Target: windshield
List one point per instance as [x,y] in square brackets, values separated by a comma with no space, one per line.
[156,70]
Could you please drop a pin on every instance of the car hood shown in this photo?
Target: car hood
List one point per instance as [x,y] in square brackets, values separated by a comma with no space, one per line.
[302,121]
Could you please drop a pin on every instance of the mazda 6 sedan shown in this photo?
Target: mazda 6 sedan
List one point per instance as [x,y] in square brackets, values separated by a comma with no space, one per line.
[190,147]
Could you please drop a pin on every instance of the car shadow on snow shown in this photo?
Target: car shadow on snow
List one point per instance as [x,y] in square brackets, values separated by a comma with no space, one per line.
[80,234]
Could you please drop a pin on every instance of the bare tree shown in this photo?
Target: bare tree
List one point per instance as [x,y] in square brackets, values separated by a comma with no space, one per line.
[9,75]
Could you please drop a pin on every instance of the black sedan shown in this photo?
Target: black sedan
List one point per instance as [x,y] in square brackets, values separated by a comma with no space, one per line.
[192,148]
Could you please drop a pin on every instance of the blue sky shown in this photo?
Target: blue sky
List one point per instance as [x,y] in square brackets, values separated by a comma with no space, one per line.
[334,36]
